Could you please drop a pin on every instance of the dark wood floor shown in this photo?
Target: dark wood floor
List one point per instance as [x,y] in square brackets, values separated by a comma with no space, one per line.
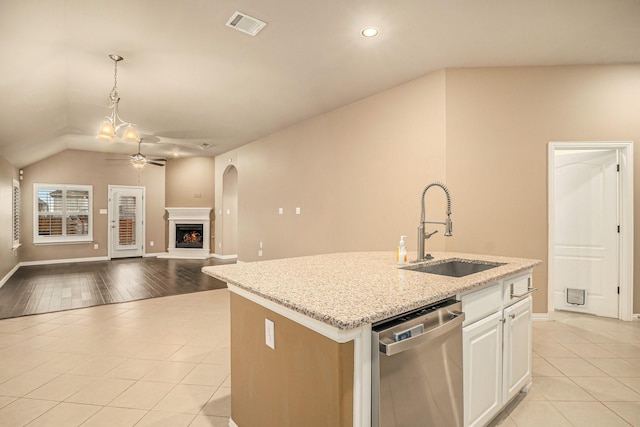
[56,287]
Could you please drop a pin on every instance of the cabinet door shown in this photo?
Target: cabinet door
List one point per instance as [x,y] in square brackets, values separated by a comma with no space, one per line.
[482,360]
[517,348]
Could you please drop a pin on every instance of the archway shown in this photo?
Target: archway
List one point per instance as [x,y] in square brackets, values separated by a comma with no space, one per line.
[230,212]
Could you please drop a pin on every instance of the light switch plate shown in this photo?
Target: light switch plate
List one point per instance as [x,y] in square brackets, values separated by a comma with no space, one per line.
[269,333]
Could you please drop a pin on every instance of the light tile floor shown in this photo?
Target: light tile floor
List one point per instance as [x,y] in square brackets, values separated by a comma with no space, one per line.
[165,362]
[155,362]
[586,372]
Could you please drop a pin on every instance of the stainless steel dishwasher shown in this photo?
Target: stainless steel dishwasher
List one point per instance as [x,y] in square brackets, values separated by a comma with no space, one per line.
[416,368]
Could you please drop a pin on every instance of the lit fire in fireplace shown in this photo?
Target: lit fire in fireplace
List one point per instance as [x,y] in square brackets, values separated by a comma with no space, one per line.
[189,236]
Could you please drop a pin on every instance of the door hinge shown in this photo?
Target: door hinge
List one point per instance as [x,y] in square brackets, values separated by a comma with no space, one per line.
[618,168]
[618,229]
[618,290]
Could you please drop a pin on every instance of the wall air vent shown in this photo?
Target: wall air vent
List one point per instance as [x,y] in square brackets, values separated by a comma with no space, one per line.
[245,23]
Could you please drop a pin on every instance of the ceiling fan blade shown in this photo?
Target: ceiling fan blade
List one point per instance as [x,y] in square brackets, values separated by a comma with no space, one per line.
[157,160]
[154,163]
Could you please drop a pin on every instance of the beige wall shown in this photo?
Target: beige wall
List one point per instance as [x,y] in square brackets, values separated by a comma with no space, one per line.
[356,173]
[190,184]
[499,124]
[90,168]
[8,257]
[307,380]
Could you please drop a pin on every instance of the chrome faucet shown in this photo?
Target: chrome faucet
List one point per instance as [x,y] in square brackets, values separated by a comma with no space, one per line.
[424,235]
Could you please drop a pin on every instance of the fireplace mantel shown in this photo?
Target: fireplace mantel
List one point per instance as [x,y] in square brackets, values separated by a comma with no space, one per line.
[189,216]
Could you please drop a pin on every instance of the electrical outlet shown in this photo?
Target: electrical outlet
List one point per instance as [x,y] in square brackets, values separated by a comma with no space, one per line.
[297,211]
[280,211]
[151,243]
[269,333]
[259,252]
[95,246]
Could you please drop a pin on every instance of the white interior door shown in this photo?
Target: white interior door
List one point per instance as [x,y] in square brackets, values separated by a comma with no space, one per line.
[586,245]
[126,221]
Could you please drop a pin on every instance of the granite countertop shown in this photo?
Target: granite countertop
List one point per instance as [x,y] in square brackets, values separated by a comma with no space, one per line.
[351,289]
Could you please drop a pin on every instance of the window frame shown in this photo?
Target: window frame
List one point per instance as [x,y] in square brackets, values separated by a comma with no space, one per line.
[63,237]
[15,215]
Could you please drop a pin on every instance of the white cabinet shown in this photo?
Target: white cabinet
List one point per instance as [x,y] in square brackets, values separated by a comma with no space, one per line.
[517,348]
[482,369]
[496,348]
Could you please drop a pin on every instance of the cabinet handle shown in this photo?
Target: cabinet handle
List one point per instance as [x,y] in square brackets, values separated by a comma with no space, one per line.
[529,291]
[513,316]
[503,320]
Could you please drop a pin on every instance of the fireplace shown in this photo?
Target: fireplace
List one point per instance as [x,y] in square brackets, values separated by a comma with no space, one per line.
[189,233]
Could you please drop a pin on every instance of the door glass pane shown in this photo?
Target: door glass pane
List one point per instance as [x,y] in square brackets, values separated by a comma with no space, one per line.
[127,220]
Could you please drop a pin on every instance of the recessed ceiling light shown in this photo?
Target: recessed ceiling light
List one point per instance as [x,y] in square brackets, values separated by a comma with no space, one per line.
[369,32]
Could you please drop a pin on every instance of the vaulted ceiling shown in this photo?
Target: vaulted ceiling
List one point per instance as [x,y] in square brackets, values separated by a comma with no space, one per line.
[187,79]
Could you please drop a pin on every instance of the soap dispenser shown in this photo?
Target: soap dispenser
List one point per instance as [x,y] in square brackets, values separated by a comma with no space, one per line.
[401,252]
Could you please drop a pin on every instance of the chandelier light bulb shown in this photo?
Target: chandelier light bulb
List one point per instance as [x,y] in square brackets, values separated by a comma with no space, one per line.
[107,131]
[131,134]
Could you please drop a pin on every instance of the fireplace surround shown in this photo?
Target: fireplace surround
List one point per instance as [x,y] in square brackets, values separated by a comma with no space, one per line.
[189,233]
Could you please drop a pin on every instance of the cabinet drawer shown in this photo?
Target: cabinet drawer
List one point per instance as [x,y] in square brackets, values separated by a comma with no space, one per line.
[516,288]
[480,303]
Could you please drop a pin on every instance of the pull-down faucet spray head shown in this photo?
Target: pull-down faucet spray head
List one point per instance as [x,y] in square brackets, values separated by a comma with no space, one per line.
[448,227]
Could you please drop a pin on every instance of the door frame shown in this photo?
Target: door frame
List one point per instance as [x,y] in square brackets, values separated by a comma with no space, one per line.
[625,202]
[110,216]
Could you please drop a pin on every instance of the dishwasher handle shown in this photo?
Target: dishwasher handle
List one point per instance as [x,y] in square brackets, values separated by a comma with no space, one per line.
[457,318]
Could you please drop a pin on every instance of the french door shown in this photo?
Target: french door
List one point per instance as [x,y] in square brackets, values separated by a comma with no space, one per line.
[126,221]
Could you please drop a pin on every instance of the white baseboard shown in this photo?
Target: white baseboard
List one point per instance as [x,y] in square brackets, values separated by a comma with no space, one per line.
[154,254]
[635,317]
[9,274]
[63,261]
[232,424]
[224,256]
[540,317]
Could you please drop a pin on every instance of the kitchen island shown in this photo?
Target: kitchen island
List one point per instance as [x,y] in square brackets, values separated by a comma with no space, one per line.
[314,369]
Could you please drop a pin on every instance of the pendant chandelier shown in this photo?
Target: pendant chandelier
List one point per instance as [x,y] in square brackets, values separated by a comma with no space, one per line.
[114,122]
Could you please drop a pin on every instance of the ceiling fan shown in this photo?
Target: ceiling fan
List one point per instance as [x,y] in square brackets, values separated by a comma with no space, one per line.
[139,160]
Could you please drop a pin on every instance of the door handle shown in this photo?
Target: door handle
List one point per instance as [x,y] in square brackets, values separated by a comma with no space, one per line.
[439,330]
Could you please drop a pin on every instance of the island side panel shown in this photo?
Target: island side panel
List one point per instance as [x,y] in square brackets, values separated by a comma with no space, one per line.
[306,380]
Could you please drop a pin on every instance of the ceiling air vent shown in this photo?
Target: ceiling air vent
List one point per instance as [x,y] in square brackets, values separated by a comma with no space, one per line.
[245,23]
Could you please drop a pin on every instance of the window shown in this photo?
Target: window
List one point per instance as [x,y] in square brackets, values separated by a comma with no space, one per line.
[15,214]
[63,213]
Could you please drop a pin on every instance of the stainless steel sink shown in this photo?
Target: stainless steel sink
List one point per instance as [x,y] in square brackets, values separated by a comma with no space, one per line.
[455,268]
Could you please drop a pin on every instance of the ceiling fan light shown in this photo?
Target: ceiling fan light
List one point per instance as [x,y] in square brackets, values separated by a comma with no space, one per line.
[131,134]
[107,131]
[138,163]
